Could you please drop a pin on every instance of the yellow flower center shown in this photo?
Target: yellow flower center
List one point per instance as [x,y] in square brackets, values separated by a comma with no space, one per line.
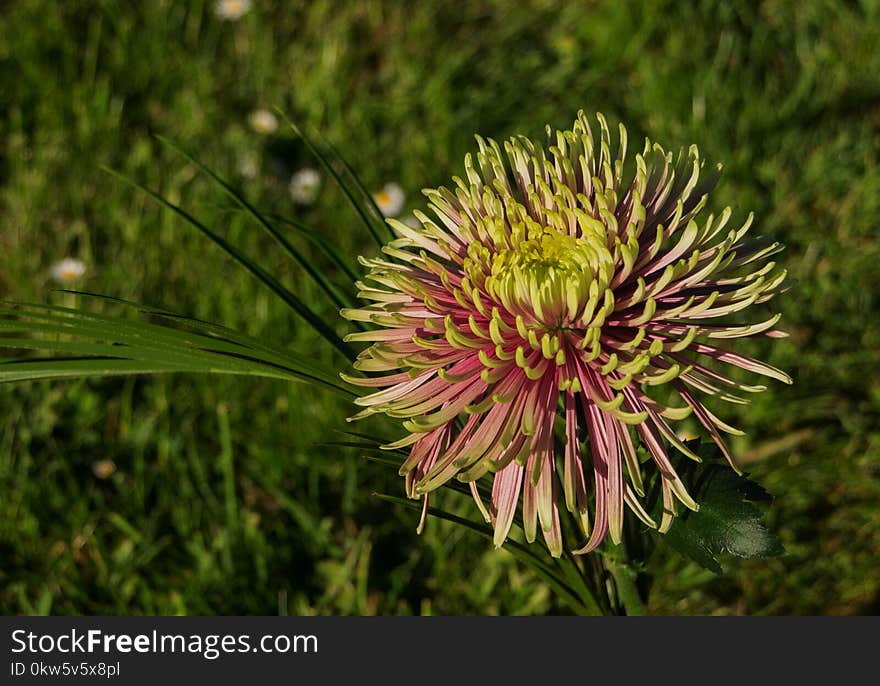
[551,275]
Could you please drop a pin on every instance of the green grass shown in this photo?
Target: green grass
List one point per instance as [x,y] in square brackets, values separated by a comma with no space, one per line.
[221,502]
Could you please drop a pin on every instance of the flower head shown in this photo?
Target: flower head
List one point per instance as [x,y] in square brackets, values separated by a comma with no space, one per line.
[390,199]
[304,186]
[104,469]
[68,270]
[263,122]
[232,10]
[556,284]
[249,164]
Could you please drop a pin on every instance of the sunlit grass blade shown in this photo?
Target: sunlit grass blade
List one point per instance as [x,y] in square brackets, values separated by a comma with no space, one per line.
[88,344]
[370,202]
[160,345]
[219,337]
[264,223]
[372,223]
[215,332]
[270,281]
[331,251]
[566,565]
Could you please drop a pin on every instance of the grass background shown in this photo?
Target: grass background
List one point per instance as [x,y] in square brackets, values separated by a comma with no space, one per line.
[221,502]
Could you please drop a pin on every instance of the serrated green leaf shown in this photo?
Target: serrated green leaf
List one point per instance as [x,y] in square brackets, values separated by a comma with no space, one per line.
[728,521]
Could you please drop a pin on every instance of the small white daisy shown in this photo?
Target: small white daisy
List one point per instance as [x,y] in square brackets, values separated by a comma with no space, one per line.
[263,122]
[232,9]
[390,199]
[104,469]
[304,186]
[68,270]
[248,165]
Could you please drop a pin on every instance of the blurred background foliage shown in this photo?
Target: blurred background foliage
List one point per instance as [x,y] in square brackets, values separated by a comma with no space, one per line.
[203,495]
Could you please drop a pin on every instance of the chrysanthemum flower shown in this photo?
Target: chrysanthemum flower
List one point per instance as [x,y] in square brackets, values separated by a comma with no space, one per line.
[263,122]
[304,186]
[557,284]
[390,199]
[232,10]
[68,270]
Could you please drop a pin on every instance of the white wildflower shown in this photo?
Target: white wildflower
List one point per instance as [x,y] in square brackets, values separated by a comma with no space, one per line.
[263,122]
[390,199]
[68,270]
[232,10]
[304,186]
[248,165]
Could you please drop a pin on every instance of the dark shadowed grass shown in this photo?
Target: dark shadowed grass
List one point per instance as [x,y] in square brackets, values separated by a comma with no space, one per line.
[219,498]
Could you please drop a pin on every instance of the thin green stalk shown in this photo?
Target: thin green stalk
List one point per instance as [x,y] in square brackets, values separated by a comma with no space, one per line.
[368,197]
[582,568]
[252,211]
[325,247]
[328,165]
[227,469]
[564,575]
[548,571]
[626,590]
[276,286]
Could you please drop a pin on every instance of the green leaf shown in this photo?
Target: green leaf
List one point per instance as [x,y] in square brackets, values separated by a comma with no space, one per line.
[82,343]
[729,519]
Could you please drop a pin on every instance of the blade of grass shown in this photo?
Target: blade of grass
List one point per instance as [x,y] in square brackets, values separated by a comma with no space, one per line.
[226,461]
[372,207]
[325,246]
[328,165]
[566,564]
[217,333]
[124,346]
[331,252]
[249,209]
[270,281]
